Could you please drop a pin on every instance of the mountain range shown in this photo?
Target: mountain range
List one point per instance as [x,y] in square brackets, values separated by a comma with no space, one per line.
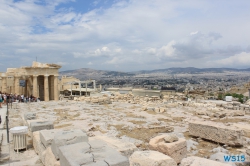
[193,70]
[86,73]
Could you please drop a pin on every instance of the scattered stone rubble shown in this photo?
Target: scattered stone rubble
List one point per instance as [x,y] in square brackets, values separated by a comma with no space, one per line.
[36,126]
[178,139]
[169,138]
[173,147]
[29,116]
[94,100]
[150,158]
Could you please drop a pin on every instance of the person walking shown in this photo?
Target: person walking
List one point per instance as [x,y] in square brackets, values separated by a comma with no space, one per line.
[1,99]
[22,98]
[9,98]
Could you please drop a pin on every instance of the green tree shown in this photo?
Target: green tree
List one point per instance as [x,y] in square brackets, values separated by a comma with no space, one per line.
[220,96]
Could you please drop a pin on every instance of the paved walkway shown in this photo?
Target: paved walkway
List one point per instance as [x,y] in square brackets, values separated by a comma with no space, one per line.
[3,112]
[8,156]
[3,131]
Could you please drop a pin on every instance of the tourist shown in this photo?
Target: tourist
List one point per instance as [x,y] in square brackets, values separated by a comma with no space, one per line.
[61,97]
[8,98]
[18,98]
[5,98]
[22,98]
[1,99]
[12,98]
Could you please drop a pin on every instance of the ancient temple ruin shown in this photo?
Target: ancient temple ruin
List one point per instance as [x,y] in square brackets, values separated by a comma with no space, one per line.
[39,80]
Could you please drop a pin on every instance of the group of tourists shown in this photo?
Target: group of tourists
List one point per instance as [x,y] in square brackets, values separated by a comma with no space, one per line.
[6,97]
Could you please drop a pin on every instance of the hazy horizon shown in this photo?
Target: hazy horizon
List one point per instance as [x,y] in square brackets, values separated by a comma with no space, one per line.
[60,70]
[125,35]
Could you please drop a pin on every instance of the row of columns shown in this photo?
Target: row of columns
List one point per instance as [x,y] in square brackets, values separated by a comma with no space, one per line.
[35,86]
[46,87]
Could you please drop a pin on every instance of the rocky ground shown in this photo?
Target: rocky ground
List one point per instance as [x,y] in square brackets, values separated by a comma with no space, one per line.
[133,122]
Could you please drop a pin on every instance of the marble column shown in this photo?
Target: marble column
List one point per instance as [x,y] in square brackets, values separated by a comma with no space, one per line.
[35,86]
[4,84]
[46,88]
[71,89]
[56,95]
[86,86]
[100,87]
[29,90]
[80,86]
[17,85]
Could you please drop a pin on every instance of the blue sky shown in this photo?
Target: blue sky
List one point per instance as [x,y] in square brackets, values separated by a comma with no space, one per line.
[125,35]
[84,6]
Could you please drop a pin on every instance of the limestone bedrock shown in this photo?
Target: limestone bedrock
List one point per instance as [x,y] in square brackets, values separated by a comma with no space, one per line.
[68,137]
[94,152]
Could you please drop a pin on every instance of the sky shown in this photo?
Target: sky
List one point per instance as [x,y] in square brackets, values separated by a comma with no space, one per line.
[125,35]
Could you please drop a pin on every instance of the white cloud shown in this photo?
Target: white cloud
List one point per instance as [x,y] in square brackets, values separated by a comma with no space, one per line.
[151,51]
[145,33]
[241,59]
[107,52]
[114,61]
[63,18]
[118,50]
[90,63]
[22,51]
[96,3]
[136,51]
[98,52]
[194,33]
[105,49]
[167,50]
[78,54]
[61,63]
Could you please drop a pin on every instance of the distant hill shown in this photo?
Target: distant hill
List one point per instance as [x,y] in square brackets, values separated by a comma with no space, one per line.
[86,73]
[191,70]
